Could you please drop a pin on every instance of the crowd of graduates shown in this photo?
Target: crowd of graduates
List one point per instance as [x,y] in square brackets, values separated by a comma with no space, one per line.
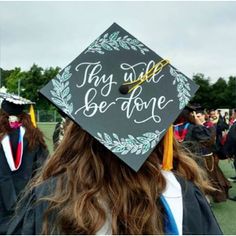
[210,137]
[206,137]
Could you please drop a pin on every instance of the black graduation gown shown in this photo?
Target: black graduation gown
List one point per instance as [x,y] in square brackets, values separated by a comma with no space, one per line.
[197,215]
[13,182]
[198,140]
[230,144]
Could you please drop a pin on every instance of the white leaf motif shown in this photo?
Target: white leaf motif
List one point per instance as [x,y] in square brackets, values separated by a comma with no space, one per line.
[183,88]
[113,42]
[134,145]
[61,91]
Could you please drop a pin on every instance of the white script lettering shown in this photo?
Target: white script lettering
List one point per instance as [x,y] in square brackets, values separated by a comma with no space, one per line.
[90,108]
[135,103]
[91,75]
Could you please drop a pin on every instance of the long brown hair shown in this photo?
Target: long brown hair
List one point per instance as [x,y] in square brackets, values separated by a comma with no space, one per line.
[33,135]
[91,183]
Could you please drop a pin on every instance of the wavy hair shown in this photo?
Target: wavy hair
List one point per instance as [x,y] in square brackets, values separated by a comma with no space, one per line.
[92,185]
[33,135]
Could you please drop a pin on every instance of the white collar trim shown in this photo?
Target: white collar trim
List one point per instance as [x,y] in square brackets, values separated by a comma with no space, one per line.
[8,152]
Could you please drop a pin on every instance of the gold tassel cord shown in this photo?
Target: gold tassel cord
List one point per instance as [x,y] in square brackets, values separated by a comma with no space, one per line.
[167,163]
[151,72]
[32,115]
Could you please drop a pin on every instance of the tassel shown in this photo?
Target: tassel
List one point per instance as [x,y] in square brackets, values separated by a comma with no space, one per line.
[130,86]
[167,163]
[32,115]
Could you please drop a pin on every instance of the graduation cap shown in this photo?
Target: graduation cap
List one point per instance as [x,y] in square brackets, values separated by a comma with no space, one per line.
[123,94]
[193,107]
[15,105]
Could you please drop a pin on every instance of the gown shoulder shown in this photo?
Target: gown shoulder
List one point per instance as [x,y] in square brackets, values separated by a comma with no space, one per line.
[28,217]
[198,217]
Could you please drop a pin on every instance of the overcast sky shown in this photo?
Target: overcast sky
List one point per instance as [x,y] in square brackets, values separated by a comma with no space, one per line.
[194,36]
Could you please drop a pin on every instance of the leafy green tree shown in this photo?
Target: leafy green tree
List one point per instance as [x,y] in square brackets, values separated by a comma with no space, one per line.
[221,94]
[218,98]
[230,92]
[28,83]
[13,81]
[202,96]
[48,74]
[32,82]
[3,75]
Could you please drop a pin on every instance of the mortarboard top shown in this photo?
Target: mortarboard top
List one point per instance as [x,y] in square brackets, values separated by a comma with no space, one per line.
[193,107]
[13,104]
[13,98]
[97,91]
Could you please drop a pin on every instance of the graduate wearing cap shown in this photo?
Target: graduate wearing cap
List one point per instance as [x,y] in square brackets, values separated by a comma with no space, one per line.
[22,151]
[191,132]
[215,174]
[118,169]
[199,138]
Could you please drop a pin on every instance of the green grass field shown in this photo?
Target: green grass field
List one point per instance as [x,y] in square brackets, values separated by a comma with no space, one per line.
[225,212]
[47,129]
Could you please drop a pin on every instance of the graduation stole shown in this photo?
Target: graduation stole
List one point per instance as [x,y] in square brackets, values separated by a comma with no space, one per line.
[180,136]
[14,163]
[170,226]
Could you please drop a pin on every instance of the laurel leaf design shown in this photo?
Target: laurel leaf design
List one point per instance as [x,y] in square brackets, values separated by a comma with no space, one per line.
[183,88]
[61,91]
[113,42]
[134,145]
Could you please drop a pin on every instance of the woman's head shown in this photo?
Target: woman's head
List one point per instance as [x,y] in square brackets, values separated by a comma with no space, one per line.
[91,179]
[201,116]
[33,135]
[185,116]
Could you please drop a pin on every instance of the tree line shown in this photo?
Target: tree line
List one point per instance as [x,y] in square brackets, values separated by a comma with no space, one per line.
[221,94]
[28,83]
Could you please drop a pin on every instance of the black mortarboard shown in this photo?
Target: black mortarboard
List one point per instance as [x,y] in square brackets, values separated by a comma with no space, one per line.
[13,104]
[122,93]
[192,107]
[200,109]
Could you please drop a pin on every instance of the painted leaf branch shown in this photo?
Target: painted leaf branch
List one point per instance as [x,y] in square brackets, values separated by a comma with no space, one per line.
[133,145]
[183,87]
[61,91]
[113,42]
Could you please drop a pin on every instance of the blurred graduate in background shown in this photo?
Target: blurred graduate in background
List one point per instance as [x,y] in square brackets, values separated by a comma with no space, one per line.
[215,174]
[59,130]
[22,151]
